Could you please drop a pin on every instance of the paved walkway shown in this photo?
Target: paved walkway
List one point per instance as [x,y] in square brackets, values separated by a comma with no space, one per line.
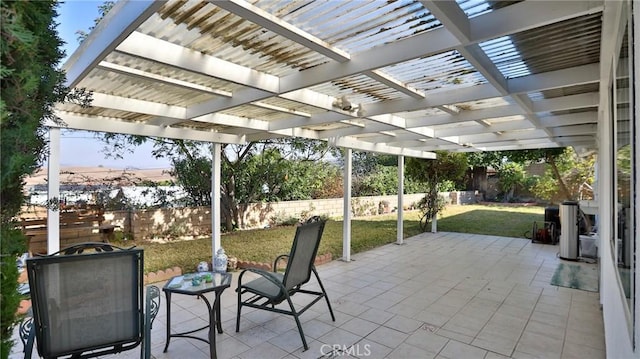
[444,295]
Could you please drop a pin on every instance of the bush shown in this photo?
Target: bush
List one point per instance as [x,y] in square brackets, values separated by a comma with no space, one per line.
[430,205]
[382,181]
[12,242]
[31,84]
[282,219]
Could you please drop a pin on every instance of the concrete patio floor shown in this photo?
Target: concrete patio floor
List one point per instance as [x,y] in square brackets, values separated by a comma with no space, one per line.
[440,295]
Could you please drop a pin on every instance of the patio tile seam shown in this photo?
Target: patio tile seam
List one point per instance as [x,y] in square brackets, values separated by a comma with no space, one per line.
[489,320]
[527,323]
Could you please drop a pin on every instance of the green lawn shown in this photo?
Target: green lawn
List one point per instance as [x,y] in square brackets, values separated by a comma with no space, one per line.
[263,245]
[496,219]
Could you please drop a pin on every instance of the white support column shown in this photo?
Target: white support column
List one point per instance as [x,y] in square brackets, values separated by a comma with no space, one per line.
[434,223]
[400,239]
[606,194]
[215,199]
[346,222]
[635,150]
[53,192]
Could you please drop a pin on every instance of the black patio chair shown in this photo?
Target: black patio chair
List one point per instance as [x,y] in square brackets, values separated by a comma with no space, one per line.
[87,301]
[273,288]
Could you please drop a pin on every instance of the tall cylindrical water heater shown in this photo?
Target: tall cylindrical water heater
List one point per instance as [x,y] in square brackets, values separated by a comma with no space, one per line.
[569,233]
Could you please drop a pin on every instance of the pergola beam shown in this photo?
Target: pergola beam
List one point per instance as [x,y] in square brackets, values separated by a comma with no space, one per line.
[479,129]
[547,105]
[103,124]
[138,106]
[492,137]
[117,25]
[395,84]
[149,47]
[527,15]
[578,75]
[233,121]
[159,78]
[570,119]
[260,17]
[575,130]
[353,143]
[585,100]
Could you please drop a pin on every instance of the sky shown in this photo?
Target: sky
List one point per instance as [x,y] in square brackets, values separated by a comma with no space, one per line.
[80,148]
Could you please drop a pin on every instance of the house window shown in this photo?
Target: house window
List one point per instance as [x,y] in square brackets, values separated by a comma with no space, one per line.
[624,166]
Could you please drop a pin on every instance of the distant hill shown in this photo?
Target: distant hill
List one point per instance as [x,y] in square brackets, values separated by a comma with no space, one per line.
[100,175]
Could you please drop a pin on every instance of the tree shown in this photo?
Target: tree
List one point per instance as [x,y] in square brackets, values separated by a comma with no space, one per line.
[485,159]
[511,175]
[274,170]
[547,155]
[477,172]
[576,175]
[447,166]
[270,170]
[377,174]
[31,85]
[194,175]
[550,156]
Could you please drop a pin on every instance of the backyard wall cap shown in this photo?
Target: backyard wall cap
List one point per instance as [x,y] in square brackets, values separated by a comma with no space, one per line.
[162,275]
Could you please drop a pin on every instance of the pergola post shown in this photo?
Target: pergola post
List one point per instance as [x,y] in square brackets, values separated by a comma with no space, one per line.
[53,192]
[434,223]
[346,223]
[215,198]
[400,239]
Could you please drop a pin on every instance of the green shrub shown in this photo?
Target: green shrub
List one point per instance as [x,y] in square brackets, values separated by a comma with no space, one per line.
[13,243]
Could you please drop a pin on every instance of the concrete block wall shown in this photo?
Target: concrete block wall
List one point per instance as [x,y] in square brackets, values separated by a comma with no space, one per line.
[165,223]
[461,197]
[162,224]
[264,214]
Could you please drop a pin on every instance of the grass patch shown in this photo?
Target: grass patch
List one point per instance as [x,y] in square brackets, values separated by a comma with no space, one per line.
[263,245]
[497,220]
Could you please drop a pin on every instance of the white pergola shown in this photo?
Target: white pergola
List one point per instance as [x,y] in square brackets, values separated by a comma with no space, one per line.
[398,77]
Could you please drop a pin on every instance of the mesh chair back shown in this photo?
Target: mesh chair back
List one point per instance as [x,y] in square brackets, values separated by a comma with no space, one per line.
[303,254]
[86,302]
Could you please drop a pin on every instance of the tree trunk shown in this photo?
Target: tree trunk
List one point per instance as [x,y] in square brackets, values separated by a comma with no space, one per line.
[480,179]
[563,187]
[469,181]
[236,216]
[508,195]
[229,200]
[226,212]
[242,212]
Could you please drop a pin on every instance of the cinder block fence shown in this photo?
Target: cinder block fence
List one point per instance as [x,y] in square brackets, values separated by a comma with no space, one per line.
[165,223]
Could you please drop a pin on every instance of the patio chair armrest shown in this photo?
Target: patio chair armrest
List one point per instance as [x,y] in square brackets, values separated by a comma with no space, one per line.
[151,309]
[278,258]
[152,304]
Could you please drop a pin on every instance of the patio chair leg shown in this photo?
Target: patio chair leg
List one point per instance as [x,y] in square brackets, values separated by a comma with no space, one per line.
[326,297]
[238,312]
[295,316]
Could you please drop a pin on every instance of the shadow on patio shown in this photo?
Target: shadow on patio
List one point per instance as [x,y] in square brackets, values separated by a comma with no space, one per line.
[442,295]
